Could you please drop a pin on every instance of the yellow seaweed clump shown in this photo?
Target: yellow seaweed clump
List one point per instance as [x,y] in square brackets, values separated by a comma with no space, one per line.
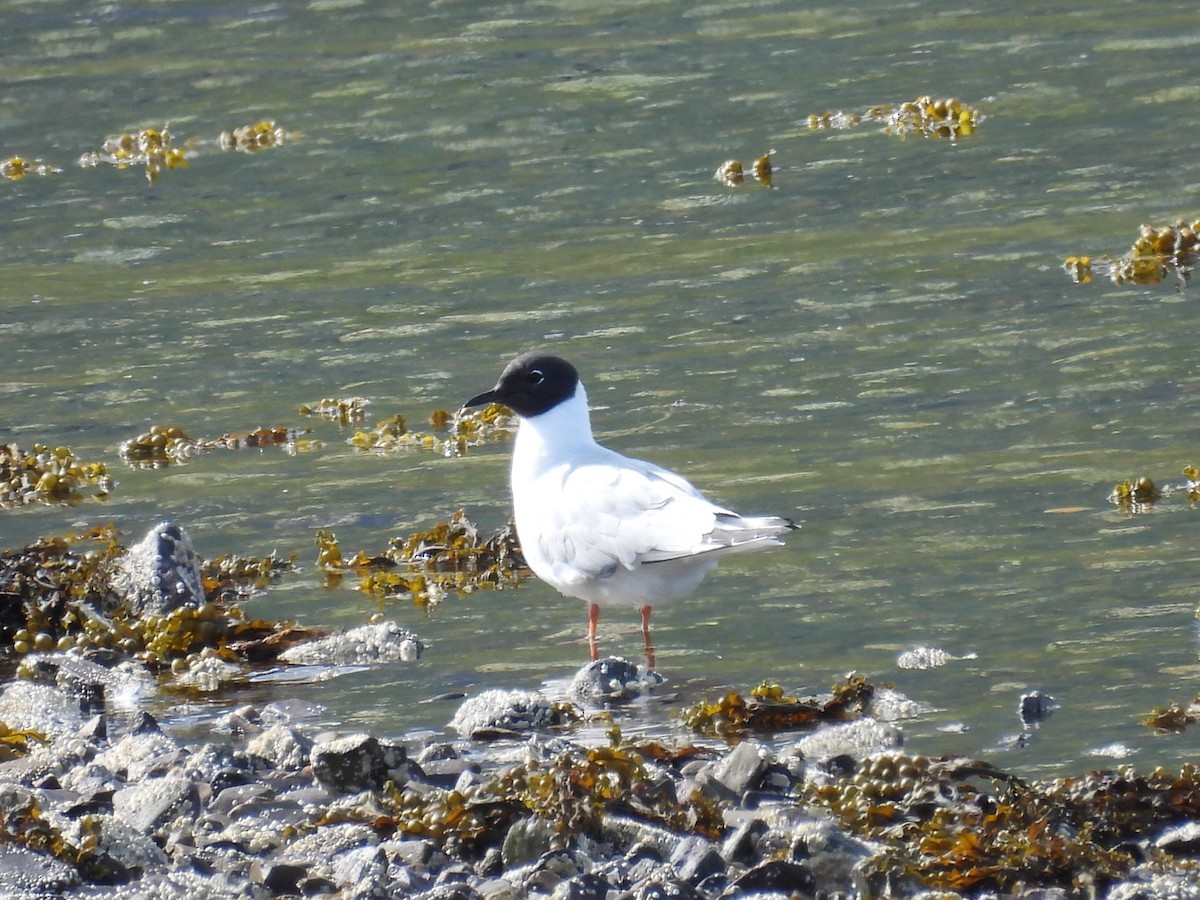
[352,411]
[942,118]
[427,565]
[150,147]
[254,138]
[769,710]
[1135,496]
[48,475]
[453,434]
[17,167]
[1157,251]
[164,445]
[732,173]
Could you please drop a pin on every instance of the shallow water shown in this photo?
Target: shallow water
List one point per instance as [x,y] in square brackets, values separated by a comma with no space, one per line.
[883,346]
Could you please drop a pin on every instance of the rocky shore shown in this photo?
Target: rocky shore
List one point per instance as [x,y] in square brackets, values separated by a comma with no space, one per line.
[97,799]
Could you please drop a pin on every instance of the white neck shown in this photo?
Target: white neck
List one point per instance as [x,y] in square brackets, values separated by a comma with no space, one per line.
[543,440]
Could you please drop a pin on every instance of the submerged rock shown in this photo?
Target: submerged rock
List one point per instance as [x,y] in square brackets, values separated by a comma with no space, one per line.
[383,642]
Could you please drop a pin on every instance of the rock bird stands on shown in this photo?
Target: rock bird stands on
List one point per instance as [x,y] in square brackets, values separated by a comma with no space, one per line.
[600,526]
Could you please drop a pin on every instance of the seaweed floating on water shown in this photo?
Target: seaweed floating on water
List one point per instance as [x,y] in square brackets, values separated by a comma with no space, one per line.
[1157,251]
[150,147]
[254,138]
[428,565]
[732,173]
[770,710]
[1135,496]
[948,118]
[163,445]
[17,167]
[1173,717]
[48,475]
[352,411]
[453,434]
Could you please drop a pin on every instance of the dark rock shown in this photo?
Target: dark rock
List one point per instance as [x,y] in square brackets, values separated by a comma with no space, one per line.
[582,887]
[354,762]
[1182,840]
[774,875]
[278,877]
[695,858]
[1035,707]
[510,713]
[741,844]
[666,890]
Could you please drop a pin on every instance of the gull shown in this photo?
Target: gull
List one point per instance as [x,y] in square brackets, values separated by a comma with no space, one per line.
[599,526]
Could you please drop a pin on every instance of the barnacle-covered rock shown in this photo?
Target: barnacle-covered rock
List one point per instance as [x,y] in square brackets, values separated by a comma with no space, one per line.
[768,709]
[48,475]
[160,573]
[1157,251]
[612,678]
[941,118]
[501,712]
[382,642]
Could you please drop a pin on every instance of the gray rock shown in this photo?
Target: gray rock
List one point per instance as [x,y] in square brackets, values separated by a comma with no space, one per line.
[25,873]
[857,738]
[1034,707]
[281,745]
[150,806]
[384,642]
[695,858]
[160,573]
[1182,840]
[612,678]
[528,839]
[738,771]
[782,875]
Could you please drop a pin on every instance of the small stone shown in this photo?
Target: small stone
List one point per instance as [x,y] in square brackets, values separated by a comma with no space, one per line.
[776,875]
[527,840]
[160,573]
[739,770]
[695,858]
[498,710]
[383,642]
[612,678]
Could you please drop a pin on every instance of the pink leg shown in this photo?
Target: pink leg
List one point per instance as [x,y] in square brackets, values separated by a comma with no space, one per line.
[593,618]
[649,644]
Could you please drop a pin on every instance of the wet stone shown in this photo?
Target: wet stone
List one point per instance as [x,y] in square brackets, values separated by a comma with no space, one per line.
[26,873]
[159,573]
[383,642]
[499,712]
[150,805]
[612,678]
[695,858]
[355,762]
[738,771]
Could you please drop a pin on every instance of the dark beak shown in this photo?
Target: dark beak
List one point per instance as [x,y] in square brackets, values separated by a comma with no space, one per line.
[479,400]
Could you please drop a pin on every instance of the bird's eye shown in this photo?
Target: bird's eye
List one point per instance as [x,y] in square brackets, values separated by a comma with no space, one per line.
[536,376]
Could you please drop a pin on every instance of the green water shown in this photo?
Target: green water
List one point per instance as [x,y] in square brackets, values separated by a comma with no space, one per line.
[883,347]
